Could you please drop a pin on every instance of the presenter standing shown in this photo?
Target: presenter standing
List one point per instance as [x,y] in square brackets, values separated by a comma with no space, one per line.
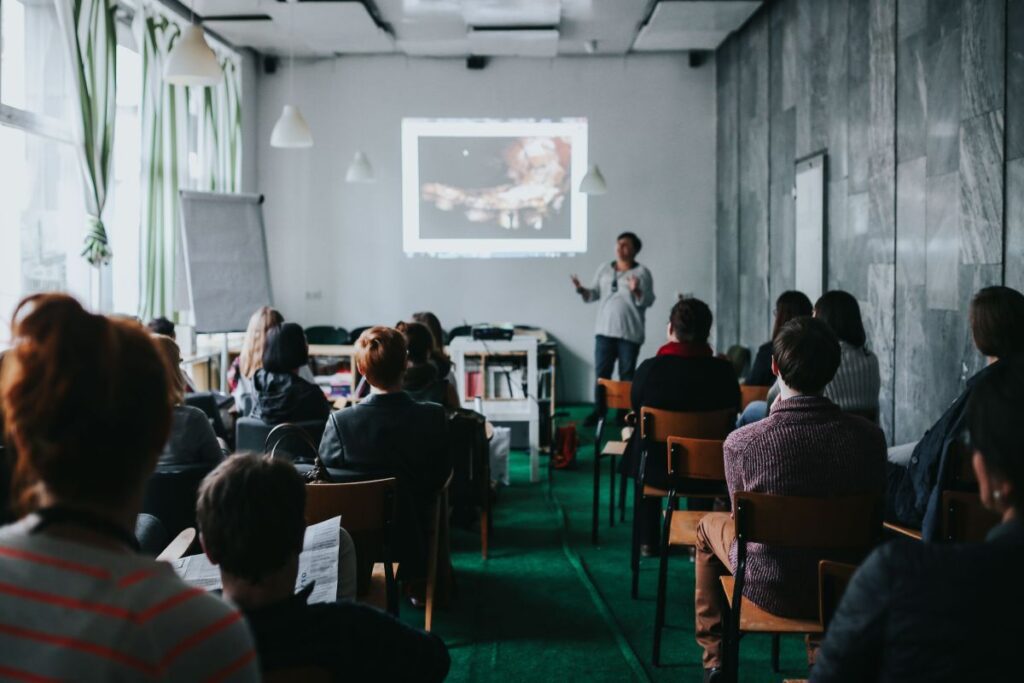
[624,290]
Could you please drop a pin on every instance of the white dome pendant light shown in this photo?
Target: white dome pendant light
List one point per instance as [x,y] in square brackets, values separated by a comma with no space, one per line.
[593,181]
[191,61]
[291,130]
[360,170]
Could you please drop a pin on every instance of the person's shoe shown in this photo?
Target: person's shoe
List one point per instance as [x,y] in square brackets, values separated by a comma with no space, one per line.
[713,675]
[591,420]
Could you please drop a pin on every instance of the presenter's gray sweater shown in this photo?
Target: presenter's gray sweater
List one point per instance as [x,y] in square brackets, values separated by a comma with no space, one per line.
[620,314]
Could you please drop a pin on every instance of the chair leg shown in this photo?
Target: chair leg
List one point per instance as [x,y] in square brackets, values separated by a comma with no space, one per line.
[485,530]
[611,492]
[775,652]
[428,617]
[659,613]
[597,497]
[623,490]
[635,556]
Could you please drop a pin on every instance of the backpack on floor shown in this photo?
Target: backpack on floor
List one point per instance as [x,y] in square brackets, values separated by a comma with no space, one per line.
[567,442]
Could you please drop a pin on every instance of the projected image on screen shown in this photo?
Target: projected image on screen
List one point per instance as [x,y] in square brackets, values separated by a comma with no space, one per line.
[491,188]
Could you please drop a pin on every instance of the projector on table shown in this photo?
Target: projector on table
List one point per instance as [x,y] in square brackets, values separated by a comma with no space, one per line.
[492,332]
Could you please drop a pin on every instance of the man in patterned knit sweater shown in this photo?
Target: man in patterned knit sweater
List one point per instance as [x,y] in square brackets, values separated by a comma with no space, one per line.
[805,447]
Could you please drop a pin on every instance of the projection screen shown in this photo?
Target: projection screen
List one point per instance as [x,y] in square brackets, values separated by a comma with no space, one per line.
[487,187]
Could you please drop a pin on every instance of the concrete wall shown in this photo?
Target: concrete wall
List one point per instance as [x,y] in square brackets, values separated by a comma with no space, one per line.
[908,99]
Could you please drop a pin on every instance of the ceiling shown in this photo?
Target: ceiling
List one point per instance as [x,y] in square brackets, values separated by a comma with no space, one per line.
[461,28]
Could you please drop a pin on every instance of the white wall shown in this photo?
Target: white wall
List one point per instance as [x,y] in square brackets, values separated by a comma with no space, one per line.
[336,249]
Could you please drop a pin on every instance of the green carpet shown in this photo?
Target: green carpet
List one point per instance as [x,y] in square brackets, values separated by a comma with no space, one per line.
[548,605]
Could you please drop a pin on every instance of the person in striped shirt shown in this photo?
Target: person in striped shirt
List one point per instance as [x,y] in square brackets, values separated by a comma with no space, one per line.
[87,404]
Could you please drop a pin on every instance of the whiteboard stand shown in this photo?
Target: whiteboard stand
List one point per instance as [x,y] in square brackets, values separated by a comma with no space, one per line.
[224,356]
[502,409]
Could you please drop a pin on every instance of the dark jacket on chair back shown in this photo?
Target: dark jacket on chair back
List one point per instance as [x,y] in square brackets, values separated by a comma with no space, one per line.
[930,612]
[286,397]
[391,435]
[683,377]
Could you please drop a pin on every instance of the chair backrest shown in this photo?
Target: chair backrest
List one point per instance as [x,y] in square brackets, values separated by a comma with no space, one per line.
[695,458]
[833,577]
[367,510]
[327,334]
[354,335]
[964,518]
[252,434]
[206,401]
[961,468]
[657,425]
[614,394]
[752,392]
[295,441]
[170,496]
[847,522]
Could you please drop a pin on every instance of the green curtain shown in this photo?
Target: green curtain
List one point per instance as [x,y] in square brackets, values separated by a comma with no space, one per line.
[88,27]
[176,134]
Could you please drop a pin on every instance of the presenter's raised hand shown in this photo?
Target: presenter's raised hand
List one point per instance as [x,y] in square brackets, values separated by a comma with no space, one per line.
[576,282]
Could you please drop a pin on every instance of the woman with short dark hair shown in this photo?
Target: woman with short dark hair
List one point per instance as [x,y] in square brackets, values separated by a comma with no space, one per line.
[918,471]
[281,394]
[943,611]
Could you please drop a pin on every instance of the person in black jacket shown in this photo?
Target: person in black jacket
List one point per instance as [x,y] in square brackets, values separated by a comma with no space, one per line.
[257,548]
[388,434]
[281,394]
[789,305]
[684,376]
[944,612]
[914,490]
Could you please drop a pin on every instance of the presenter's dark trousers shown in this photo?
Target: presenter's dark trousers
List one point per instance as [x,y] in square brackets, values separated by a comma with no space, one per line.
[608,350]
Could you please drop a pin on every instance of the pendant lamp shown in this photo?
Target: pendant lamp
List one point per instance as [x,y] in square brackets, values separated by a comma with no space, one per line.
[191,61]
[291,130]
[360,170]
[593,181]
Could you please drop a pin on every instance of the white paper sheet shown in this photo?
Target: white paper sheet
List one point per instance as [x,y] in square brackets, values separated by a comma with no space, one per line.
[318,562]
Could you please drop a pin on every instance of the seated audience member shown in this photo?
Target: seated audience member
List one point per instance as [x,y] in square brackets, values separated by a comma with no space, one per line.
[162,326]
[805,447]
[251,514]
[789,305]
[250,359]
[444,363]
[390,435]
[997,327]
[683,376]
[192,441]
[423,379]
[87,402]
[857,382]
[944,612]
[282,395]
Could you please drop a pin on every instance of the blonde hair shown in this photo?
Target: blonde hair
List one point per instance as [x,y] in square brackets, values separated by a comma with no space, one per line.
[171,354]
[251,358]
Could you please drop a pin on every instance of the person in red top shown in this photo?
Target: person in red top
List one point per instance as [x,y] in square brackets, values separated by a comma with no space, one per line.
[685,375]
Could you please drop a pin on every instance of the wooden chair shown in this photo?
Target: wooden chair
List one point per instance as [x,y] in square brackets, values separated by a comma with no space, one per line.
[750,393]
[696,470]
[842,524]
[367,510]
[611,395]
[439,558]
[833,578]
[656,426]
[964,518]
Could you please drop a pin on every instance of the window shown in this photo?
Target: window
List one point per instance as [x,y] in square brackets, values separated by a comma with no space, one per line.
[42,214]
[123,208]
